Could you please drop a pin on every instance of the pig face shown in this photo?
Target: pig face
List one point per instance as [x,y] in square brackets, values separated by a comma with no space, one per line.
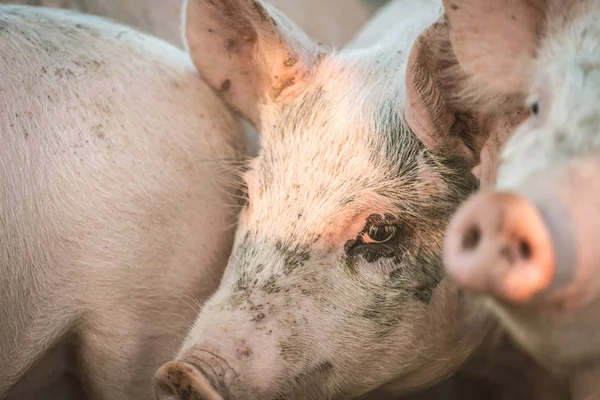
[547,53]
[333,287]
[563,100]
[527,248]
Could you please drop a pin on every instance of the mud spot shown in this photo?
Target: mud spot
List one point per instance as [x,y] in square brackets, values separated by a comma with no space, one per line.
[225,86]
[428,273]
[270,286]
[290,352]
[286,83]
[98,131]
[259,317]
[290,61]
[64,73]
[243,281]
[349,265]
[178,376]
[244,352]
[294,256]
[375,310]
[385,310]
[424,293]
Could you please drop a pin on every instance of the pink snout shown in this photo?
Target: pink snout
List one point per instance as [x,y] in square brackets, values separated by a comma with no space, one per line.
[498,244]
[177,380]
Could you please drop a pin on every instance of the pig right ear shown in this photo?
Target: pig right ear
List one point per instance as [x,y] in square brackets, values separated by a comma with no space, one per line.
[431,111]
[496,41]
[250,53]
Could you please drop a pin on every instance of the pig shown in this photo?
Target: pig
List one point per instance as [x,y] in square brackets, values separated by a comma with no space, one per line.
[332,22]
[335,285]
[526,247]
[119,168]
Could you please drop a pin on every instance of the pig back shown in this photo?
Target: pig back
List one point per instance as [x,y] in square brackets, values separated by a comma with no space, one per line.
[117,181]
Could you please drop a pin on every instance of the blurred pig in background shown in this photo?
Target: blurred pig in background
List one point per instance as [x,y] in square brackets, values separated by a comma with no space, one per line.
[529,246]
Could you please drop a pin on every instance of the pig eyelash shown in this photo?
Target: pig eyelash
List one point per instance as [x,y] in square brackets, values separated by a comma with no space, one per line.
[373,235]
[378,233]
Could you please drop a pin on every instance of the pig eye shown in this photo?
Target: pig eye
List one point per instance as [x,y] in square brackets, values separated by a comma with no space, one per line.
[535,108]
[534,105]
[379,233]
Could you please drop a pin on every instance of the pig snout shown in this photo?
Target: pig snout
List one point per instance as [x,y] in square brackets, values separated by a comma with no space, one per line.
[499,244]
[179,380]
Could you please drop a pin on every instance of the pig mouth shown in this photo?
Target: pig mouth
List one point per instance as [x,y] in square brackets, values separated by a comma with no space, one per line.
[195,379]
[215,370]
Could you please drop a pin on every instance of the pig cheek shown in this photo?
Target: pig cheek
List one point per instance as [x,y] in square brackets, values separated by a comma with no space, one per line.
[501,129]
[523,153]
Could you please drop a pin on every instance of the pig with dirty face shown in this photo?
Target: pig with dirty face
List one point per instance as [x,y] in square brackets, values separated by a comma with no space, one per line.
[530,246]
[335,284]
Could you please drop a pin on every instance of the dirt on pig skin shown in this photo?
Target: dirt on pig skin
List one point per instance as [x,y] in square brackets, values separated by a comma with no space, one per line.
[335,284]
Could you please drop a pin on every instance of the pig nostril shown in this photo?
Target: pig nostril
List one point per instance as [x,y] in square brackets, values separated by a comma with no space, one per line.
[525,249]
[471,238]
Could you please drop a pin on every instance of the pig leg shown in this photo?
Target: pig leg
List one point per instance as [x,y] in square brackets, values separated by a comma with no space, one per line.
[113,361]
[31,341]
[51,377]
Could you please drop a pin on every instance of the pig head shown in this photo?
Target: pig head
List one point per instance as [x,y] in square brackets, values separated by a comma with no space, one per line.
[530,246]
[335,285]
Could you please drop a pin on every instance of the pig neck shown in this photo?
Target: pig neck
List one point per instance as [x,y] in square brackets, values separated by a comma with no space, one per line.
[499,359]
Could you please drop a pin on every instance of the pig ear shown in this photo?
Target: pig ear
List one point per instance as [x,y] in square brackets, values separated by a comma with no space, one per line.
[431,110]
[496,41]
[248,52]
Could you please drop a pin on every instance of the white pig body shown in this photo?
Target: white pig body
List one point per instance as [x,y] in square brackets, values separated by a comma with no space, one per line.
[115,205]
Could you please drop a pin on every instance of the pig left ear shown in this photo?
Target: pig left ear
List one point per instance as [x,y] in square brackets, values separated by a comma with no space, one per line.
[431,110]
[249,52]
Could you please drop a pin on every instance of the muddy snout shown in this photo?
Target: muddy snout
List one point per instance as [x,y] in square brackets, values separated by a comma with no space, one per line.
[498,244]
[178,380]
